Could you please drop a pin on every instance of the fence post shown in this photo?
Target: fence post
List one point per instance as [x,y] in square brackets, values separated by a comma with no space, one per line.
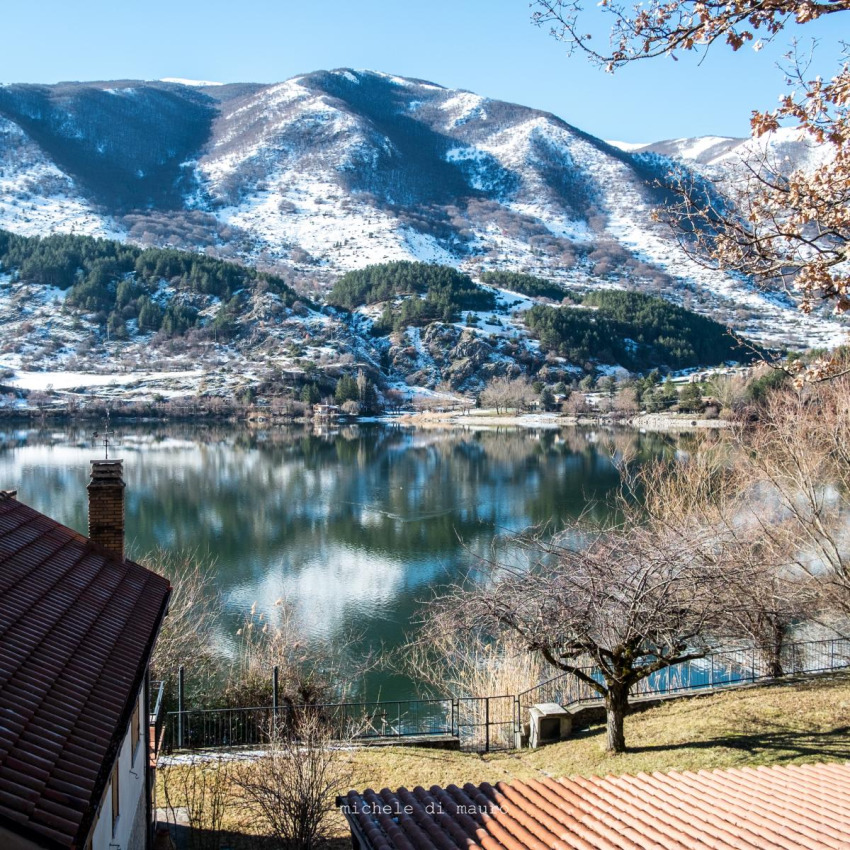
[711,671]
[180,706]
[275,680]
[486,724]
[517,723]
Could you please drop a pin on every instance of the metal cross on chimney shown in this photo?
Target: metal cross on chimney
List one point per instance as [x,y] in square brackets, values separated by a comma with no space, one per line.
[104,435]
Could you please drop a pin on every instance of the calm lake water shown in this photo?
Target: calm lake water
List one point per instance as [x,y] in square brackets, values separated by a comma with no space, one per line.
[353,529]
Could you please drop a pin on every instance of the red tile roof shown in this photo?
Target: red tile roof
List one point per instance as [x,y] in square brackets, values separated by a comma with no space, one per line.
[77,626]
[765,808]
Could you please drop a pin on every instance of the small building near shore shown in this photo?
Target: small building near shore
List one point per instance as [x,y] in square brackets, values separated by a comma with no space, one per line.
[326,412]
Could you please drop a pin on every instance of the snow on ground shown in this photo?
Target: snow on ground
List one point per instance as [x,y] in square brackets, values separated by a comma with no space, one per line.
[463,107]
[511,147]
[36,197]
[295,212]
[426,249]
[60,380]
[489,323]
[514,301]
[298,204]
[627,146]
[630,224]
[42,216]
[415,339]
[404,82]
[722,157]
[338,232]
[694,148]
[225,156]
[184,82]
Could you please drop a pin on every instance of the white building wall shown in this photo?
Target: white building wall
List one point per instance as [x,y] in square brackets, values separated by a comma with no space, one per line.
[131,795]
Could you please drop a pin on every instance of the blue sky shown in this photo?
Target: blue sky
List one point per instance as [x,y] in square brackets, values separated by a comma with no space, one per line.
[486,46]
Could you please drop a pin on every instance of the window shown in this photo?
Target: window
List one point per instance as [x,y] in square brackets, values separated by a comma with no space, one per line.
[134,733]
[116,807]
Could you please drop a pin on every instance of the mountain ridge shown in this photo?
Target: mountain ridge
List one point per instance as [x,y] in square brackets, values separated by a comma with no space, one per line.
[335,170]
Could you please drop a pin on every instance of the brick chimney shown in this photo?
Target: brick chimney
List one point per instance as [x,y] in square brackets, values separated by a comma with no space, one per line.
[106,505]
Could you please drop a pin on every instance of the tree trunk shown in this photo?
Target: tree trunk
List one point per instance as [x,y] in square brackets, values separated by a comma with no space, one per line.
[616,706]
[773,652]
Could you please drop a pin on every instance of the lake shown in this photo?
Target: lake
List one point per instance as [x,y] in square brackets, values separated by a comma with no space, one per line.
[353,529]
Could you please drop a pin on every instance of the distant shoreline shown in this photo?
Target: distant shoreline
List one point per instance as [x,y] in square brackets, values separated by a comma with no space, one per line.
[554,421]
[447,419]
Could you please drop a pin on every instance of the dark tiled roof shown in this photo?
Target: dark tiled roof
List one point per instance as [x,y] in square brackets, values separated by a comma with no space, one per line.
[76,629]
[764,808]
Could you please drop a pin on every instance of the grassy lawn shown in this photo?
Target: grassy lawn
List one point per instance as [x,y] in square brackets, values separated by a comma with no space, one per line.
[800,722]
[804,721]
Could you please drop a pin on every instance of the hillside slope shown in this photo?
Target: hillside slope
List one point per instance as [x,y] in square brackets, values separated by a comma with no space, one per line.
[334,170]
[79,304]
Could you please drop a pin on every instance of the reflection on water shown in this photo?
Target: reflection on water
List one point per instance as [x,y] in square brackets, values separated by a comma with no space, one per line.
[352,529]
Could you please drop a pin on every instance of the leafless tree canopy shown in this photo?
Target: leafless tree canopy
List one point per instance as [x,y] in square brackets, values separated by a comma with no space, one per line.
[742,533]
[629,599]
[290,790]
[504,393]
[194,612]
[663,27]
[199,793]
[799,459]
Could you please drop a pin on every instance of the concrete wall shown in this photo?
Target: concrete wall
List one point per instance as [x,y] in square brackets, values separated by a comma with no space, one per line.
[130,829]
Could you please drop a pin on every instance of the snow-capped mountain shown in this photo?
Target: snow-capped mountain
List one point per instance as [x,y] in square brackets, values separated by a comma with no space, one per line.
[334,170]
[786,149]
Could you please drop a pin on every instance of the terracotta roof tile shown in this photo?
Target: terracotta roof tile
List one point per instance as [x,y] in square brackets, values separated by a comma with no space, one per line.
[76,629]
[788,807]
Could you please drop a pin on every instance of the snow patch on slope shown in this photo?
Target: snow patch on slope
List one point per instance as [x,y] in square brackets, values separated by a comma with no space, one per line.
[184,82]
[37,198]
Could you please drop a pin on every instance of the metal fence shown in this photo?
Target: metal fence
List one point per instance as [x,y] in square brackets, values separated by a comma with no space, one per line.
[253,726]
[156,716]
[719,669]
[483,724]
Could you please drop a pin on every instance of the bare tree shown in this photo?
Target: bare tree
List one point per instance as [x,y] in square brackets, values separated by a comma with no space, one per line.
[194,612]
[576,405]
[395,400]
[661,27]
[799,461]
[40,400]
[198,792]
[291,789]
[713,499]
[764,600]
[629,599]
[310,672]
[445,660]
[305,671]
[626,402]
[730,392]
[505,393]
